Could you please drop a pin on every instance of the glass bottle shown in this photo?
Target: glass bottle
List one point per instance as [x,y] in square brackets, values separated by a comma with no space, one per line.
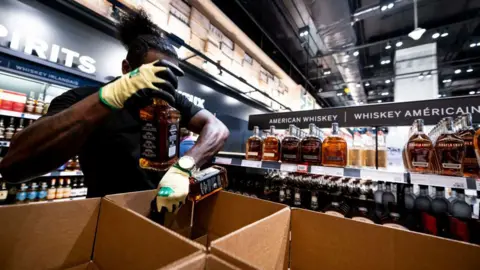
[420,150]
[30,106]
[334,149]
[461,213]
[52,190]
[21,194]
[423,208]
[393,217]
[337,206]
[450,150]
[311,147]
[388,196]
[20,126]
[378,198]
[3,193]
[290,146]
[10,130]
[2,130]
[382,149]
[254,146]
[59,193]
[42,192]
[369,152]
[355,153]
[32,192]
[409,205]
[159,139]
[67,189]
[271,146]
[207,182]
[39,104]
[440,207]
[467,133]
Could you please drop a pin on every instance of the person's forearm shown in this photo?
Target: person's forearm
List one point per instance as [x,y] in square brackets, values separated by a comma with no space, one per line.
[211,140]
[51,141]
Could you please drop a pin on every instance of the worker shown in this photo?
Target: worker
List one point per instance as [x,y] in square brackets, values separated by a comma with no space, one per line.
[102,125]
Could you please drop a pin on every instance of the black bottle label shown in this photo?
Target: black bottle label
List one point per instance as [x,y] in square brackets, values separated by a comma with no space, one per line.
[149,140]
[172,135]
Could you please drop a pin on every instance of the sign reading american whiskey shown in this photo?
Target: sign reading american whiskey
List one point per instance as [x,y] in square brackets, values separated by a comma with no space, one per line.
[385,114]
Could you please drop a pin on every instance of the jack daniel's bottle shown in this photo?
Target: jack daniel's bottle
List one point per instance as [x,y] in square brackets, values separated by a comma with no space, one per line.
[159,136]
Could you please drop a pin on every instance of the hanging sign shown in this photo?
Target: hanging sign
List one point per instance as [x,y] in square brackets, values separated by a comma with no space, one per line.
[386,114]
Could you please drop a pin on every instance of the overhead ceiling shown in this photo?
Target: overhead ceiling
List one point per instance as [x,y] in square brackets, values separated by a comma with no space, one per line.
[331,43]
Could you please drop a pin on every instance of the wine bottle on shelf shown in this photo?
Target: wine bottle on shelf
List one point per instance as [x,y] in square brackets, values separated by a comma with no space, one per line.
[254,146]
[423,207]
[32,192]
[271,146]
[461,213]
[369,152]
[290,146]
[42,192]
[30,106]
[39,104]
[440,207]
[21,194]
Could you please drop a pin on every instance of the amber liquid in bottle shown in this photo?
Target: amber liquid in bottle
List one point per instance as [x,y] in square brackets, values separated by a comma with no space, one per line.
[311,148]
[271,146]
[467,133]
[290,147]
[450,150]
[254,146]
[334,149]
[419,150]
[369,152]
[159,136]
[382,150]
[355,153]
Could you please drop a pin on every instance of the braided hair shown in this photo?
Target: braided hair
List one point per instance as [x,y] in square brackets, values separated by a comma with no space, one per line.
[139,34]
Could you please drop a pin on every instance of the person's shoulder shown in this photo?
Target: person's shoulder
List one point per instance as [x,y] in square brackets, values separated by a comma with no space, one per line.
[82,92]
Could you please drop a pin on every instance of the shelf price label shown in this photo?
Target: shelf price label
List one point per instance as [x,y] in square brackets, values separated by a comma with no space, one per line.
[222,160]
[251,163]
[376,175]
[439,180]
[326,170]
[286,167]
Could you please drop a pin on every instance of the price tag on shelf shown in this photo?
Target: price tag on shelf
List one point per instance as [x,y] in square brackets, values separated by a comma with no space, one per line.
[222,160]
[376,175]
[79,173]
[326,170]
[439,180]
[286,167]
[302,168]
[251,163]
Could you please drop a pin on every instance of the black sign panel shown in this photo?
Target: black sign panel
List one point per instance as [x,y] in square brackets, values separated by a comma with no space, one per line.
[387,114]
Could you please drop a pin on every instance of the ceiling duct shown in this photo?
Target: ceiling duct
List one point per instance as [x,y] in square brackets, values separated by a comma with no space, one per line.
[332,19]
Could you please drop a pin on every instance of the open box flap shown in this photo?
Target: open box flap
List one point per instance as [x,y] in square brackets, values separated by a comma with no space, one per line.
[201,262]
[126,240]
[327,242]
[48,235]
[263,244]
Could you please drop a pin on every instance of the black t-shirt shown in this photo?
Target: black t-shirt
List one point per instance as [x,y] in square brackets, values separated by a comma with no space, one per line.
[109,159]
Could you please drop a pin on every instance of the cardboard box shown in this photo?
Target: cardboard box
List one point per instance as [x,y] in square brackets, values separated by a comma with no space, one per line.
[201,262]
[215,217]
[320,241]
[73,235]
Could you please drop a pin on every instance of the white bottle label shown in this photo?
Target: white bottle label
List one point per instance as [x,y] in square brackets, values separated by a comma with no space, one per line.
[3,194]
[252,153]
[268,154]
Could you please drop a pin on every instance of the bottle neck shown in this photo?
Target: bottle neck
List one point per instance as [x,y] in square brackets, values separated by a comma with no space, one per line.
[291,131]
[272,131]
[423,191]
[256,131]
[334,129]
[440,193]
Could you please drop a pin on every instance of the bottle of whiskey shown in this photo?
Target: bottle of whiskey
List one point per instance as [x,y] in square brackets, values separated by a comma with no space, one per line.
[59,193]
[20,126]
[290,146]
[440,207]
[355,153]
[271,146]
[22,193]
[419,150]
[450,150]
[2,130]
[461,213]
[159,139]
[378,198]
[369,152]
[207,182]
[3,193]
[334,149]
[311,147]
[423,207]
[337,206]
[382,149]
[467,133]
[52,190]
[10,130]
[254,146]
[67,189]
[39,104]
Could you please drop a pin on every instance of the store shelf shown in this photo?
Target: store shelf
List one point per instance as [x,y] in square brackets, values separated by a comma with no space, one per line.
[375,175]
[20,115]
[59,200]
[65,173]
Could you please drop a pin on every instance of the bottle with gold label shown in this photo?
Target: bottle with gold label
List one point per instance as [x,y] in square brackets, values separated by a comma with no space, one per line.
[311,147]
[355,156]
[59,193]
[254,146]
[450,150]
[382,149]
[334,149]
[369,152]
[159,139]
[467,133]
[290,146]
[52,190]
[67,189]
[271,146]
[419,150]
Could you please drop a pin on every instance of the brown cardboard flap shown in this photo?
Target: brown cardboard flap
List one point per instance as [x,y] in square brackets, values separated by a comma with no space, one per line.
[48,235]
[137,201]
[85,266]
[323,241]
[201,262]
[126,240]
[226,212]
[262,245]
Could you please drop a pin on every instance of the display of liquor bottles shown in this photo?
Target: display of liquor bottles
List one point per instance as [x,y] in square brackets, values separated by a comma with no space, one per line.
[419,150]
[159,140]
[2,130]
[32,192]
[21,196]
[271,146]
[207,182]
[461,213]
[10,130]
[52,190]
[334,149]
[3,193]
[290,147]
[311,147]
[467,134]
[20,126]
[43,191]
[382,149]
[450,150]
[254,147]
[355,153]
[440,207]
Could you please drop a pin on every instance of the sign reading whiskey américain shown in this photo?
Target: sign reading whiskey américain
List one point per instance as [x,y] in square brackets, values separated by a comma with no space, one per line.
[386,114]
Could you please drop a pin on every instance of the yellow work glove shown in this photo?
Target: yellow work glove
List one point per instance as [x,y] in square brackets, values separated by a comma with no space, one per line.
[172,189]
[157,79]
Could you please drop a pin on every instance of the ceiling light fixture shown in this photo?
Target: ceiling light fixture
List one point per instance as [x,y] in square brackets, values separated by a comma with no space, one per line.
[458,71]
[470,69]
[327,71]
[384,93]
[478,44]
[304,31]
[383,8]
[420,77]
[471,92]
[478,92]
[379,101]
[388,47]
[439,95]
[355,53]
[390,6]
[388,81]
[429,75]
[436,35]
[399,44]
[447,80]
[359,85]
[339,94]
[367,84]
[444,34]
[417,32]
[473,45]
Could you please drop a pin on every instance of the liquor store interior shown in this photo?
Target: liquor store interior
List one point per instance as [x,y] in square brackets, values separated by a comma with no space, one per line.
[241,134]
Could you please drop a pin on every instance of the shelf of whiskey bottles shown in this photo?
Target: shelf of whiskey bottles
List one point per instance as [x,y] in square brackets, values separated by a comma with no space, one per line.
[433,210]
